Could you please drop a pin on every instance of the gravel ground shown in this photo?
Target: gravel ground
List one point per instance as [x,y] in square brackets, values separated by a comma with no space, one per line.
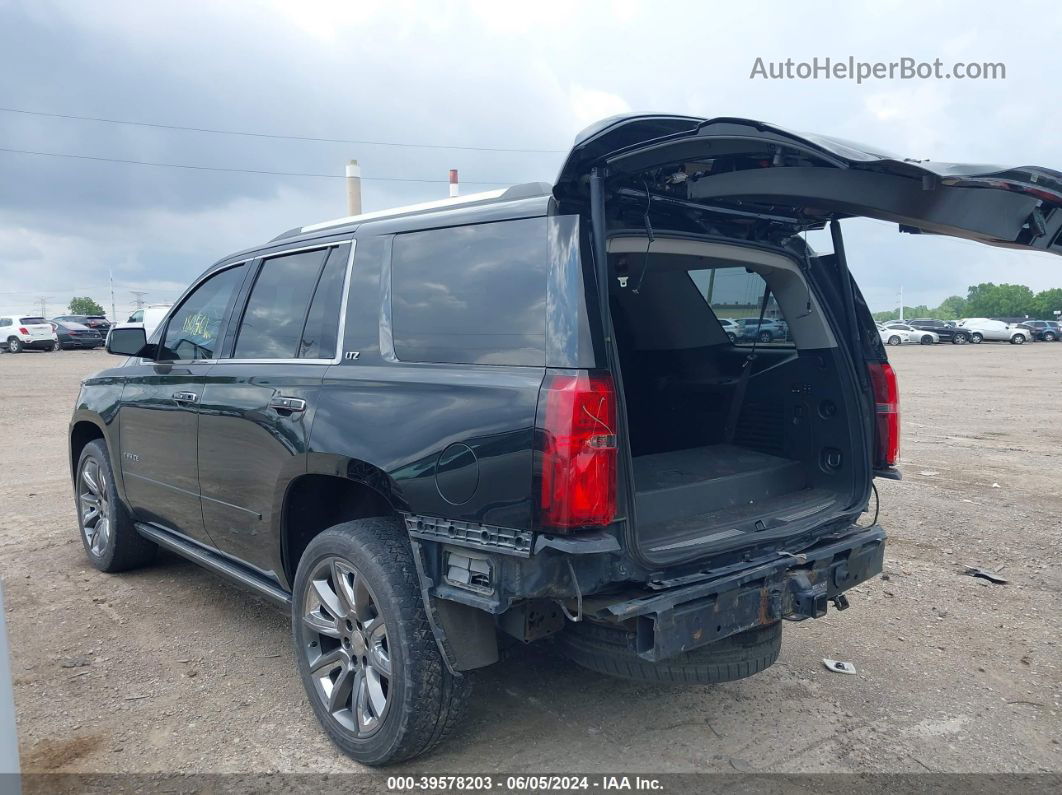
[170,669]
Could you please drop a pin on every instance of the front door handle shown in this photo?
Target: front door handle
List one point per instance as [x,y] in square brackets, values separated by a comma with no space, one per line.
[185,397]
[281,403]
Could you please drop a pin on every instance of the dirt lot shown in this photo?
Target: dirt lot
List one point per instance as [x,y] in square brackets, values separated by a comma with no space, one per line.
[170,669]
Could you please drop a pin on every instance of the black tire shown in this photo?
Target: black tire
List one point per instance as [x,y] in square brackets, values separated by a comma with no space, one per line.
[120,547]
[926,340]
[1017,339]
[765,336]
[56,346]
[14,345]
[732,335]
[977,338]
[610,650]
[960,339]
[1049,336]
[423,700]
[895,340]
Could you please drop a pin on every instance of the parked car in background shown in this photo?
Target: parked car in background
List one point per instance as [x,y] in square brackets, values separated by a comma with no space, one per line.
[767,330]
[908,334]
[1043,330]
[982,329]
[730,327]
[147,318]
[98,322]
[75,335]
[947,332]
[27,332]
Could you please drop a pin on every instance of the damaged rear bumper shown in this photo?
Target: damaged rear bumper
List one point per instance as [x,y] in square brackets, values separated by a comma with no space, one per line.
[797,587]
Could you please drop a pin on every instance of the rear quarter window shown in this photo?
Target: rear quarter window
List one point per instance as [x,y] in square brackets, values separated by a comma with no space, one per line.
[471,294]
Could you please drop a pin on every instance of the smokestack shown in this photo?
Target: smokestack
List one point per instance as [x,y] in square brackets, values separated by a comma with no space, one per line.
[353,188]
[453,182]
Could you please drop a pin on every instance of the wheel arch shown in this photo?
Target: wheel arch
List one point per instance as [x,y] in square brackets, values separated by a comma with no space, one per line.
[315,501]
[82,432]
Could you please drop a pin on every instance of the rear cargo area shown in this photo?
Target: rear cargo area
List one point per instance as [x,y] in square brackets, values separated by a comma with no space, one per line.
[722,459]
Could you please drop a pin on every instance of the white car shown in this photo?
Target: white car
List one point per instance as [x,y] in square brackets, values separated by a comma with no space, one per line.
[982,328]
[901,334]
[147,318]
[20,333]
[730,327]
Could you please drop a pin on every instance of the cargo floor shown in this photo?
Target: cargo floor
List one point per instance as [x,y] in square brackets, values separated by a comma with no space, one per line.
[716,494]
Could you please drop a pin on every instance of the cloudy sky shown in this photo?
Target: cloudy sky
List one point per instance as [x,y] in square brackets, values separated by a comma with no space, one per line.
[493,75]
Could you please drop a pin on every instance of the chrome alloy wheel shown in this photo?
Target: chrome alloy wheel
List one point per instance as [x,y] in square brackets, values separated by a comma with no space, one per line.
[346,648]
[94,504]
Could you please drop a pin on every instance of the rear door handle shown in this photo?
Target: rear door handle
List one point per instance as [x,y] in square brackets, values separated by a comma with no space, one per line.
[185,397]
[281,403]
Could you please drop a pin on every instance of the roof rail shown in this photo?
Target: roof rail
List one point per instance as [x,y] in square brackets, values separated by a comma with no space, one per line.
[527,190]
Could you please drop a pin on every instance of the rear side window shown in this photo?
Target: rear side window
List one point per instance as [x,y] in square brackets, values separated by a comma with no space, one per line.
[471,294]
[322,323]
[273,321]
[737,294]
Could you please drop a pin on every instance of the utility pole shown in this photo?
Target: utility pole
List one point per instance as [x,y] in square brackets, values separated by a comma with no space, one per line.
[114,311]
[139,296]
[454,187]
[901,303]
[43,302]
[353,188]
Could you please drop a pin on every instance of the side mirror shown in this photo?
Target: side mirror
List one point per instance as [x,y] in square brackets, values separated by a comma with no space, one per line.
[127,342]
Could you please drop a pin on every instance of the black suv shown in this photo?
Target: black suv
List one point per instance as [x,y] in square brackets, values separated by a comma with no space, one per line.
[439,432]
[947,333]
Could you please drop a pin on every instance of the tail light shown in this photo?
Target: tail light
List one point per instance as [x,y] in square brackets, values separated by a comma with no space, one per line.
[886,412]
[23,330]
[577,415]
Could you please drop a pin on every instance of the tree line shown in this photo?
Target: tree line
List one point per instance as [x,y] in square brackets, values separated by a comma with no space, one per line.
[987,300]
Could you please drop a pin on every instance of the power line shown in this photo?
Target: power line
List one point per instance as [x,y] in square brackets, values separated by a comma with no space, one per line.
[233,170]
[277,135]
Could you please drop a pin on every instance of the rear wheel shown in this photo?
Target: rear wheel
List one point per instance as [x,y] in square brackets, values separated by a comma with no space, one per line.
[14,345]
[977,338]
[107,531]
[1017,339]
[56,346]
[611,650]
[894,340]
[732,335]
[365,652]
[765,336]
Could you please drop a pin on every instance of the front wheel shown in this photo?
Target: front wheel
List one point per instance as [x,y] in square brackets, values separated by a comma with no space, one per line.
[960,339]
[1017,339]
[365,651]
[732,335]
[765,336]
[107,530]
[926,340]
[894,340]
[977,338]
[1049,336]
[14,345]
